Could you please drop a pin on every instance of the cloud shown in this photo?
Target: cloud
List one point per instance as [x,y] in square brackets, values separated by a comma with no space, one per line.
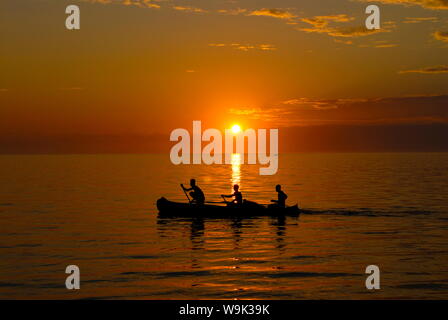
[383,44]
[311,111]
[323,21]
[267,47]
[141,3]
[351,32]
[233,12]
[428,4]
[420,20]
[189,9]
[348,42]
[245,47]
[244,112]
[317,104]
[386,45]
[321,24]
[275,13]
[137,3]
[428,70]
[441,35]
[345,32]
[290,112]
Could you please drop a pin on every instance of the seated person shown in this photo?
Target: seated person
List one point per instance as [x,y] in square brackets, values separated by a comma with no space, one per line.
[196,193]
[281,202]
[237,194]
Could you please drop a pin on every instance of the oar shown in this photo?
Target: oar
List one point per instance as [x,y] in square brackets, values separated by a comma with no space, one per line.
[189,201]
[215,202]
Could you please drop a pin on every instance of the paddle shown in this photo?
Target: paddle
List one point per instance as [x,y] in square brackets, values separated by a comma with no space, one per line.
[224,198]
[189,201]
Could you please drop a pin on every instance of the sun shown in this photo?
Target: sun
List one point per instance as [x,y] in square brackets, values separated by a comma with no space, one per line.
[236,128]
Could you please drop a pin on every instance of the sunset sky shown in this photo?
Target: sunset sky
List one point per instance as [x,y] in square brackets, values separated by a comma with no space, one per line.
[138,69]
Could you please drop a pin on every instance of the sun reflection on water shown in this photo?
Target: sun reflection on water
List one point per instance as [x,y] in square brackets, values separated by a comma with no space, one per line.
[236,169]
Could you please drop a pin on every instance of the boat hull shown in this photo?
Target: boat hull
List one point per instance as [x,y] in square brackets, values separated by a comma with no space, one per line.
[247,209]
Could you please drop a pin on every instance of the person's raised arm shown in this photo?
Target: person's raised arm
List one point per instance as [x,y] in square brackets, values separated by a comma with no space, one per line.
[186,189]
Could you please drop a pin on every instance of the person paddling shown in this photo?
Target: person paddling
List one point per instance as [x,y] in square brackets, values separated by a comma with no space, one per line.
[237,194]
[196,193]
[281,201]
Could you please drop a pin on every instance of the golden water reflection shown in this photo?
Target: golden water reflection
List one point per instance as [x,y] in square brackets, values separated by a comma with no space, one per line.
[317,256]
[236,169]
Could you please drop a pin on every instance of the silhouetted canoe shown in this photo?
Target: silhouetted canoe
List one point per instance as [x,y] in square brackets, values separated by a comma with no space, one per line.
[247,209]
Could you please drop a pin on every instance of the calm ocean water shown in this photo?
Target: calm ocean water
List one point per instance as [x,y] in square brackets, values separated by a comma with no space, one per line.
[98,212]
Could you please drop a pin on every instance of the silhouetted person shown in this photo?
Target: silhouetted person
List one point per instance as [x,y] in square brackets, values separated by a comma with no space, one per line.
[237,194]
[196,193]
[281,202]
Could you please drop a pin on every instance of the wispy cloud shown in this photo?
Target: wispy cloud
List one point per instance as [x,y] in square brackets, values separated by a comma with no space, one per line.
[245,47]
[138,3]
[356,31]
[267,47]
[428,4]
[420,20]
[347,42]
[297,111]
[441,35]
[233,12]
[309,111]
[384,44]
[325,25]
[323,21]
[428,70]
[189,9]
[245,111]
[319,104]
[344,32]
[274,13]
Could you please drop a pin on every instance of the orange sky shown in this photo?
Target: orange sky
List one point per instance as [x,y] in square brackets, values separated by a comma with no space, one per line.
[140,69]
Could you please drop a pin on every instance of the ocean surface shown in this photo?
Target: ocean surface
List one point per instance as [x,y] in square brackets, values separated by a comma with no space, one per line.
[98,212]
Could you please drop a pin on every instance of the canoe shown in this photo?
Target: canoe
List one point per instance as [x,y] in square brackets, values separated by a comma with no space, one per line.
[247,209]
